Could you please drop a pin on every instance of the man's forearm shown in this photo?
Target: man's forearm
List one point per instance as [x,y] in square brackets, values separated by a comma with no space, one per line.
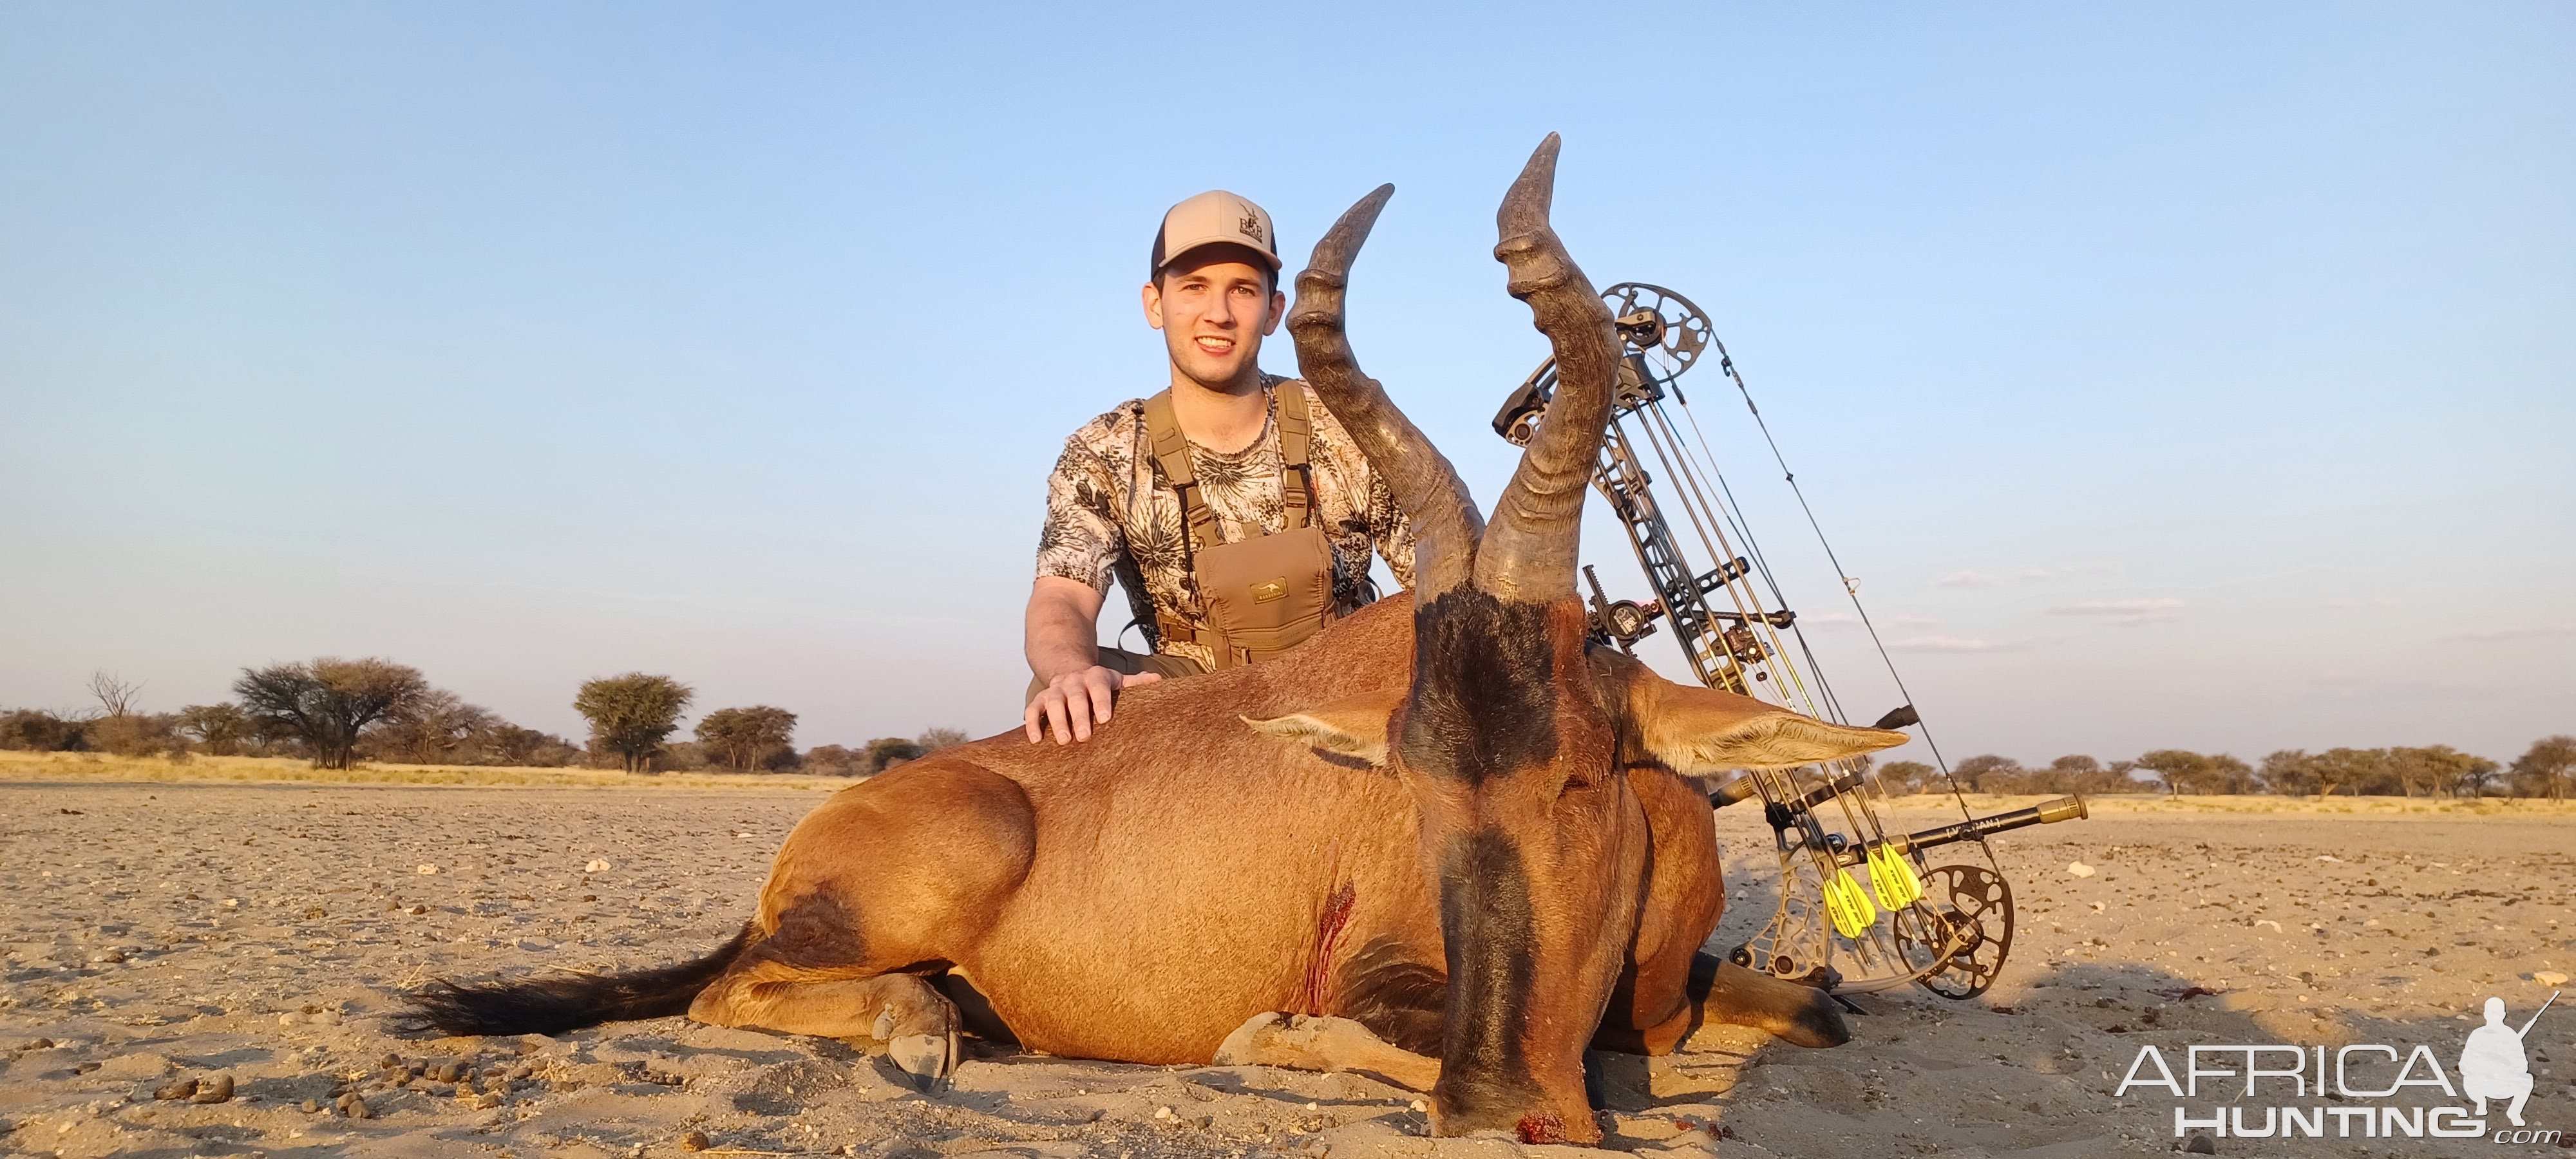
[1061,632]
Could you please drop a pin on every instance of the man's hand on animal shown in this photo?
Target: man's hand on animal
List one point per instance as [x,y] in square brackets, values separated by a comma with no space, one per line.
[1077,701]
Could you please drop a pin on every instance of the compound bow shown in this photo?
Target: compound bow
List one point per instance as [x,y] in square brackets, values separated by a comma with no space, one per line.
[1948,927]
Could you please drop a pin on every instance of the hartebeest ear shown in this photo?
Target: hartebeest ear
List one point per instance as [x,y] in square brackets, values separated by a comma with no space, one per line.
[1353,727]
[1699,731]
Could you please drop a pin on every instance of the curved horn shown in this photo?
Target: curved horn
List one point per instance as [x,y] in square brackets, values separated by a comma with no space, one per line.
[1529,552]
[1444,518]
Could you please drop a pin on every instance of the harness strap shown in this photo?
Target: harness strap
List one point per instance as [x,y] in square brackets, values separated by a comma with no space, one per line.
[1172,457]
[1296,439]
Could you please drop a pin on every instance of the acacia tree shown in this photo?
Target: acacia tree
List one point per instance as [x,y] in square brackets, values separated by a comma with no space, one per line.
[1987,772]
[1906,776]
[432,727]
[115,694]
[631,715]
[747,739]
[219,727]
[328,702]
[2546,767]
[2176,769]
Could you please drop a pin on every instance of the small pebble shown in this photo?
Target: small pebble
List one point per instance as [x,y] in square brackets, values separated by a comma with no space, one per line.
[693,1141]
[426,869]
[2079,869]
[2549,978]
[486,1102]
[175,1089]
[597,865]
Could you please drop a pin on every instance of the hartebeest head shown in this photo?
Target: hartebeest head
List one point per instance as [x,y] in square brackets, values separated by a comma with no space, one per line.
[1512,741]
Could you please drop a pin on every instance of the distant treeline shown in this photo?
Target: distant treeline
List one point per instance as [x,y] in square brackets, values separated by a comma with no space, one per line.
[336,713]
[2546,769]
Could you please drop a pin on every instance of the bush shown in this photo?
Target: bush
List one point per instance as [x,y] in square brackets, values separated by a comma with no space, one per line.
[886,752]
[833,760]
[35,730]
[137,734]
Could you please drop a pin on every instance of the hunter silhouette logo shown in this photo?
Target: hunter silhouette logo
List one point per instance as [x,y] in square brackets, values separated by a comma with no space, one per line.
[2492,1067]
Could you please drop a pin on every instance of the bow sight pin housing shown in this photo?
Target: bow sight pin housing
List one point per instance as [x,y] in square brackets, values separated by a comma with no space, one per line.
[1946,927]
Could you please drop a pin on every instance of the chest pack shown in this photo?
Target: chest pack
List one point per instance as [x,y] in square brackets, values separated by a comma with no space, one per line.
[1264,594]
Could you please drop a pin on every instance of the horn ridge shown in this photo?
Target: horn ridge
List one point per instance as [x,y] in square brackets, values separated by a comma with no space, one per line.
[1529,552]
[1435,501]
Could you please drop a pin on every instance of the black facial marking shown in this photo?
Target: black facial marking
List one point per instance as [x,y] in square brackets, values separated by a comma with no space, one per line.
[1483,703]
[1400,999]
[1486,922]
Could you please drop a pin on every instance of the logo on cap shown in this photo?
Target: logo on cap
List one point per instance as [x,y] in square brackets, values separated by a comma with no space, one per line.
[1251,224]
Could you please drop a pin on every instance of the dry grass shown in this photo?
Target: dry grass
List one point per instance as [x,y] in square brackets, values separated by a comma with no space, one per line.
[97,767]
[2154,803]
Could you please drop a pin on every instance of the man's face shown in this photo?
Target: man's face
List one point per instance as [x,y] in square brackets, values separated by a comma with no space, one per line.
[1214,308]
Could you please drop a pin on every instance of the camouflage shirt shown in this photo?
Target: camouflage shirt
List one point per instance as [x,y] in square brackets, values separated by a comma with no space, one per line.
[1109,513]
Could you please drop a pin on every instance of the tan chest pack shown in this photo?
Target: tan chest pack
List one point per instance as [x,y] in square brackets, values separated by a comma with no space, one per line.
[1265,594]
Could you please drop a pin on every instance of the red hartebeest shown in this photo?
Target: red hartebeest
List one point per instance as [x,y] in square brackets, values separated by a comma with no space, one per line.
[1447,832]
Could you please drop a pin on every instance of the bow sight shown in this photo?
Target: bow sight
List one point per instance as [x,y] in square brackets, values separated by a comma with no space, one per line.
[1948,927]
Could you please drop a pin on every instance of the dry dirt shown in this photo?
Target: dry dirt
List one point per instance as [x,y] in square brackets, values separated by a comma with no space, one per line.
[159,933]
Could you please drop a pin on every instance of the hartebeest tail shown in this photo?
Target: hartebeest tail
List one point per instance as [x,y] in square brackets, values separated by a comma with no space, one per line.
[569,1001]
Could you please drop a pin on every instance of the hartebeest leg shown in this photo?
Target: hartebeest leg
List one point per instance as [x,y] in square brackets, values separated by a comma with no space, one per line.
[1652,1009]
[918,1024]
[1311,1042]
[1797,1014]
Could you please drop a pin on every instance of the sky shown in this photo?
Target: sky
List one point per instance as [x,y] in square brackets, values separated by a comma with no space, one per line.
[2185,375]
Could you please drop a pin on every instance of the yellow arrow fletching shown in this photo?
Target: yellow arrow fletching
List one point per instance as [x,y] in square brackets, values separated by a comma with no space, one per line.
[1893,879]
[1847,905]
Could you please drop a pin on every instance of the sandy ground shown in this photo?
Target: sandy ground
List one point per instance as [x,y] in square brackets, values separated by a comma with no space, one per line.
[158,933]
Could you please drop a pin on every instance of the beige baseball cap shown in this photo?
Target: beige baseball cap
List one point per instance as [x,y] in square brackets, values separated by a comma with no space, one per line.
[1212,218]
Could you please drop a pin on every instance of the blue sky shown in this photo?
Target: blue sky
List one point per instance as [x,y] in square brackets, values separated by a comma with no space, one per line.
[2185,375]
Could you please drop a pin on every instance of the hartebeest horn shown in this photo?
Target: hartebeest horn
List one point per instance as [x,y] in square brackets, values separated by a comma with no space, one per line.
[1445,520]
[1529,551]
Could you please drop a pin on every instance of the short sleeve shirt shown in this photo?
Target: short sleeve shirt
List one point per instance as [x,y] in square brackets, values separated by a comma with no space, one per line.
[1111,515]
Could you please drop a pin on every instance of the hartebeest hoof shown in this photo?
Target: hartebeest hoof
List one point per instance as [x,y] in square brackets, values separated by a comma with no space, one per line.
[1799,1015]
[930,1059]
[920,1028]
[1314,1042]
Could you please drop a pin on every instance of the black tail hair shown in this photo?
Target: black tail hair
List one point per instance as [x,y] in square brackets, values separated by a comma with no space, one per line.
[567,1001]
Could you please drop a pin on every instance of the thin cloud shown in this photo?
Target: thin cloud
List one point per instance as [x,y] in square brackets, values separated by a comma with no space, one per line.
[2363,602]
[2007,577]
[1950,644]
[1901,620]
[2123,613]
[2515,632]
